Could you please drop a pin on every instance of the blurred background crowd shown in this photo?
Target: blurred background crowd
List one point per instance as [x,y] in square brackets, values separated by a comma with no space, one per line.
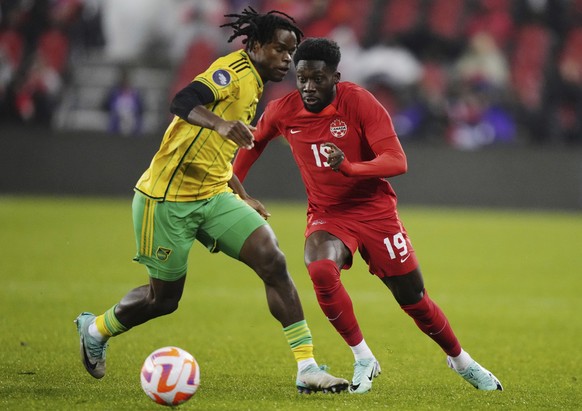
[466,73]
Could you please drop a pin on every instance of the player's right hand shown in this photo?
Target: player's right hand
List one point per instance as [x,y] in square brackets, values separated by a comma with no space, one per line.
[335,156]
[258,206]
[238,132]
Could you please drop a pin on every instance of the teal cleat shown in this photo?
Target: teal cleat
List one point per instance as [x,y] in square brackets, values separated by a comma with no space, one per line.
[478,376]
[314,378]
[364,372]
[92,350]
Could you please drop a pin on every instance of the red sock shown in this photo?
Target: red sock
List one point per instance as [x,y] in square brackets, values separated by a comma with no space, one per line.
[433,322]
[334,300]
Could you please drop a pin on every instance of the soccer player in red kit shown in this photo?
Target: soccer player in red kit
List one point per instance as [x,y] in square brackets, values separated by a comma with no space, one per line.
[345,145]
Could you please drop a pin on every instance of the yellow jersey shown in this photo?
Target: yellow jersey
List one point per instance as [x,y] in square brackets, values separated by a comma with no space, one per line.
[194,163]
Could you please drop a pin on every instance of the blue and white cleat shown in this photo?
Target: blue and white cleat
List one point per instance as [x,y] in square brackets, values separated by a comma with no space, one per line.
[92,350]
[314,378]
[364,372]
[478,376]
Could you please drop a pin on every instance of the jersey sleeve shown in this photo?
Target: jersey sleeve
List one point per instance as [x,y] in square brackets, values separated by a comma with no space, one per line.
[266,130]
[194,94]
[379,132]
[222,81]
[375,120]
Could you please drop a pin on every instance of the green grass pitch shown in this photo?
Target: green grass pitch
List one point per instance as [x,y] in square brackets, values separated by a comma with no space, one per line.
[509,281]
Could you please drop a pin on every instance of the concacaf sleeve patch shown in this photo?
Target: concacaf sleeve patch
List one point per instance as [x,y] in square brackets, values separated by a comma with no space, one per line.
[221,78]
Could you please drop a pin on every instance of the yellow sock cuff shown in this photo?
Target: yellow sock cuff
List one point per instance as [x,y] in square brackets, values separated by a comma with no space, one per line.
[100,324]
[108,324]
[303,352]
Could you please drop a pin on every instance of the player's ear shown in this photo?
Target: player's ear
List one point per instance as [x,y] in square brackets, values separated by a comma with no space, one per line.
[337,77]
[254,46]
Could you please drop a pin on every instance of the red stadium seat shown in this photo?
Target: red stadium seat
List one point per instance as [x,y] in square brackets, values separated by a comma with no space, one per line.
[12,43]
[198,57]
[400,17]
[531,52]
[572,48]
[444,18]
[493,17]
[53,48]
[342,12]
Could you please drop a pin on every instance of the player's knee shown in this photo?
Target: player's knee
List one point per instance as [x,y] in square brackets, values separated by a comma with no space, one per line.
[276,262]
[420,310]
[407,289]
[323,273]
[272,267]
[263,255]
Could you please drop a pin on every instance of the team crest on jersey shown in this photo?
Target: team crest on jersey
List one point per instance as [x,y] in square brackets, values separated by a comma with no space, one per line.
[221,77]
[338,128]
[162,253]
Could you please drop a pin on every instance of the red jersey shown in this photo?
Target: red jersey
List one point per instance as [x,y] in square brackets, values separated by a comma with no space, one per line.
[355,122]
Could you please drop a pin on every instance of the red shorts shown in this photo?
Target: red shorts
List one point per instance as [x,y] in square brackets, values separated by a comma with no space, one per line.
[383,243]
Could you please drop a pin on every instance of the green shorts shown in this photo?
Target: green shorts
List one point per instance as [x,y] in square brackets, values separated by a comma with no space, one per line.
[165,231]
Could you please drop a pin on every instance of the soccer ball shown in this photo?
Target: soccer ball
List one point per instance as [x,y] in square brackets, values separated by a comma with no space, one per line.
[170,376]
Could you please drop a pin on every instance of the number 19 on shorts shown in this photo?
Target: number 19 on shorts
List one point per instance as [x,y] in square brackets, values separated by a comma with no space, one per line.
[396,244]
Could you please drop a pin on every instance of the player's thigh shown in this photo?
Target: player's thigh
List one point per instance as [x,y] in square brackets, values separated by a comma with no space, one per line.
[164,233]
[330,238]
[386,248]
[228,224]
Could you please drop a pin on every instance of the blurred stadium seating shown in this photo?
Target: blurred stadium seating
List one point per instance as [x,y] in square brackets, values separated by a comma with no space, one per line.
[56,70]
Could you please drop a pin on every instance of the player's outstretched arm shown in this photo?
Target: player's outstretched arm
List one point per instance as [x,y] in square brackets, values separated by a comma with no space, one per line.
[390,161]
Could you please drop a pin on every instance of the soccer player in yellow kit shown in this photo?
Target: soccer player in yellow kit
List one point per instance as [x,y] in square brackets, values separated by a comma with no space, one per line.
[185,195]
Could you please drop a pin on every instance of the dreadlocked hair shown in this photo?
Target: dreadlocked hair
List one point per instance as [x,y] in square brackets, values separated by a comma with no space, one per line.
[319,49]
[260,28]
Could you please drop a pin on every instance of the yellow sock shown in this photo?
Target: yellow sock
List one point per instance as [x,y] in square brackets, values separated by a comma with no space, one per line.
[108,324]
[299,338]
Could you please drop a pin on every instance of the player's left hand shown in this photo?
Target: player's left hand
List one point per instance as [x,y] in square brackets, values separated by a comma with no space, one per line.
[335,156]
[258,206]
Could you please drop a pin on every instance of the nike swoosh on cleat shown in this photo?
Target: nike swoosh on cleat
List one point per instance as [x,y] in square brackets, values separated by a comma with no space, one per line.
[371,376]
[89,363]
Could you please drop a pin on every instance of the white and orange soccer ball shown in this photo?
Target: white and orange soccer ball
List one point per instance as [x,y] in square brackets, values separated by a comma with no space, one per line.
[170,376]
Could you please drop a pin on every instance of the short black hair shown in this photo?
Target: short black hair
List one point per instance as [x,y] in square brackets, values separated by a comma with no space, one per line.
[260,28]
[319,48]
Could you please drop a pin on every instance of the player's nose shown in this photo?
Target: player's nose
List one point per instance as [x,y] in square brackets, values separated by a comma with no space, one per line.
[309,86]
